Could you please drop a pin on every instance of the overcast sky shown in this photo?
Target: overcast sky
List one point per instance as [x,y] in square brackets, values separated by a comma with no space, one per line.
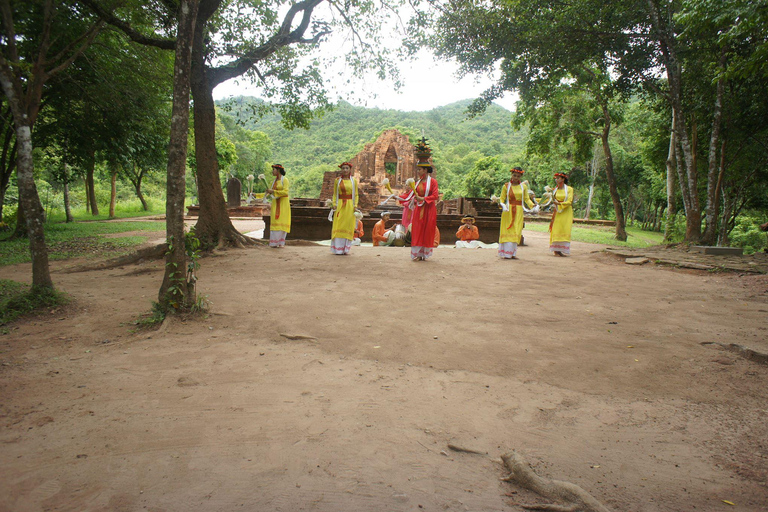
[427,84]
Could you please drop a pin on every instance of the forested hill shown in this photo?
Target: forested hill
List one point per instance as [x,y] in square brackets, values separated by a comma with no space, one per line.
[339,135]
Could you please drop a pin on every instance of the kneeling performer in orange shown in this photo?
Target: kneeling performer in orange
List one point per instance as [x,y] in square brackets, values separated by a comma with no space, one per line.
[381,234]
[468,234]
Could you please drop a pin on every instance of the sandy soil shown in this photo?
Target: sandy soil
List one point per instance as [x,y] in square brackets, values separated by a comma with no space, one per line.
[594,369]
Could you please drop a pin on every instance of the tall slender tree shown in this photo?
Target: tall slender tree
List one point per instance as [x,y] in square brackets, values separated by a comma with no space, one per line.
[40,39]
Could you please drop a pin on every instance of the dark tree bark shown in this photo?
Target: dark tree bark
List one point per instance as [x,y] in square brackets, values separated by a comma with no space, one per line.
[175,290]
[67,209]
[213,226]
[89,185]
[136,176]
[113,194]
[621,229]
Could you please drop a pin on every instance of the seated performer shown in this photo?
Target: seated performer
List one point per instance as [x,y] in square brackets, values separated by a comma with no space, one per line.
[359,232]
[381,235]
[468,234]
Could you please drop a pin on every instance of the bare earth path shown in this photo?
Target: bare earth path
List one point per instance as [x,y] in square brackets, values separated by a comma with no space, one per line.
[592,368]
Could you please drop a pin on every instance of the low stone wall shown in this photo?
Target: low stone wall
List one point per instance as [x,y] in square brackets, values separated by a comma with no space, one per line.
[257,210]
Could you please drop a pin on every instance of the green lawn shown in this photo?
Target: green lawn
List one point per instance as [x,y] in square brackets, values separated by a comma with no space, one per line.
[604,235]
[81,239]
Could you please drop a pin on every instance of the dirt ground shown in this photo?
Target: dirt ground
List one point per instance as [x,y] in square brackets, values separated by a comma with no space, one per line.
[331,383]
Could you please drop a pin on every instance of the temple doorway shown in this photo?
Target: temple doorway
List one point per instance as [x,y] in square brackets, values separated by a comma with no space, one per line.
[392,164]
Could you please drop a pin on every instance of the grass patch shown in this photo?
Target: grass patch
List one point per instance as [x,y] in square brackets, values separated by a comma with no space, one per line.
[80,239]
[605,235]
[17,299]
[123,210]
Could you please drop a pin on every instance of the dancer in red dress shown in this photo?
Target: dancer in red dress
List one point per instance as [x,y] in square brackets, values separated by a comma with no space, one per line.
[424,218]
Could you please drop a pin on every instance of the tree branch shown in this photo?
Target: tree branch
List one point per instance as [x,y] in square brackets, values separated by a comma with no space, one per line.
[91,35]
[86,36]
[284,37]
[10,33]
[133,35]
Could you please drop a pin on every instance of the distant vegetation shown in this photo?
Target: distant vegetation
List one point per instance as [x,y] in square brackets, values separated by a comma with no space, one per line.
[458,143]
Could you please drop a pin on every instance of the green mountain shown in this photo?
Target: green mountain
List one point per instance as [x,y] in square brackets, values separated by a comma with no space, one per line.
[458,142]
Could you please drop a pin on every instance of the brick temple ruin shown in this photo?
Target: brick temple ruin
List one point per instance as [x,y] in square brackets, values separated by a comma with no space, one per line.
[391,156]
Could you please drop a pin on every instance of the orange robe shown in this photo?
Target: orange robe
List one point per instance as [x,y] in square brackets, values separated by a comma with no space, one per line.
[359,230]
[378,232]
[468,234]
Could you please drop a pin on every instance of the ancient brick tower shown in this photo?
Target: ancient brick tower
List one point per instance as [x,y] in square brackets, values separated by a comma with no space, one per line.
[390,156]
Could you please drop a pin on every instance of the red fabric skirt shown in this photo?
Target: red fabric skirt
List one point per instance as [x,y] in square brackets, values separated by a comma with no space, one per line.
[423,225]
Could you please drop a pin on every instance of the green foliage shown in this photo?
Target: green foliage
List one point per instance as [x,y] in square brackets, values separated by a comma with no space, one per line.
[339,134]
[152,319]
[18,299]
[746,233]
[486,178]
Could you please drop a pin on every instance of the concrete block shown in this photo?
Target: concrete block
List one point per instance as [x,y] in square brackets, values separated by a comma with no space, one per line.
[719,251]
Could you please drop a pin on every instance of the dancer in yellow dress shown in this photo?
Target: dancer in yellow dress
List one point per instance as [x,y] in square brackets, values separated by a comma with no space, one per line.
[345,199]
[280,210]
[511,200]
[562,217]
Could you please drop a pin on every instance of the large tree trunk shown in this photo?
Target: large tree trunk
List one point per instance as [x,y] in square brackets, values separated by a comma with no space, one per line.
[67,209]
[213,228]
[29,200]
[621,230]
[176,291]
[89,187]
[87,195]
[32,208]
[113,195]
[140,195]
[689,187]
[592,177]
[671,163]
[710,232]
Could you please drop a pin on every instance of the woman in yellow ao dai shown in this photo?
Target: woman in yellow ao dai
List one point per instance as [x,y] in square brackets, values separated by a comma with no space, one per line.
[345,199]
[280,210]
[512,196]
[562,217]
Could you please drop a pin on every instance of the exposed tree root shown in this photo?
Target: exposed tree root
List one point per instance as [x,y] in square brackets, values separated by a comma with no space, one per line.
[155,252]
[457,448]
[746,353]
[577,499]
[298,337]
[552,508]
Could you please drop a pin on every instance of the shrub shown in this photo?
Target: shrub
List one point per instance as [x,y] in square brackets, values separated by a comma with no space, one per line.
[747,234]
